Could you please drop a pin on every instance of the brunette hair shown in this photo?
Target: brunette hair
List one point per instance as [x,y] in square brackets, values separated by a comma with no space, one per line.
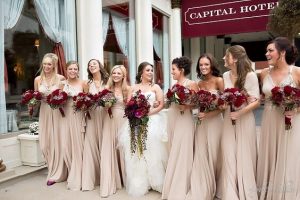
[213,65]
[103,72]
[243,64]
[140,71]
[183,63]
[283,44]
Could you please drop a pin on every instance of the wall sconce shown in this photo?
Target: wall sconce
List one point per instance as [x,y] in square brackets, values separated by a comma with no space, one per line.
[37,43]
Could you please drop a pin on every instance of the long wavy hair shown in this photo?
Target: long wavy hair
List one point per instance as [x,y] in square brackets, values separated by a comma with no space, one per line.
[243,64]
[54,59]
[103,72]
[111,84]
[141,68]
[213,65]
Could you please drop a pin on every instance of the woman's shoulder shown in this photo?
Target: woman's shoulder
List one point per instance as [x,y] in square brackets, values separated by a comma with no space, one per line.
[60,77]
[38,78]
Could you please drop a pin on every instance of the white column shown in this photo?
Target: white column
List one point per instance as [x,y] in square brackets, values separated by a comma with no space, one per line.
[89,33]
[166,58]
[175,35]
[195,53]
[132,48]
[144,32]
[175,21]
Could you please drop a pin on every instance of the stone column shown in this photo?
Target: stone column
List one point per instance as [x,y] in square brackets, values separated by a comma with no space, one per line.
[144,31]
[175,33]
[89,33]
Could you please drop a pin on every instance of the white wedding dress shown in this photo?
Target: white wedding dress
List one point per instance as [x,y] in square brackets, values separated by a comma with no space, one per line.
[147,172]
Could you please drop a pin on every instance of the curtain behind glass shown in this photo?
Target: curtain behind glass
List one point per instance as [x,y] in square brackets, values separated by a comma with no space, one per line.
[58,21]
[10,12]
[69,24]
[120,27]
[105,22]
[157,43]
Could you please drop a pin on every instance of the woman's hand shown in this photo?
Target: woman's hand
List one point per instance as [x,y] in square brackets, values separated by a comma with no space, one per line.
[201,115]
[156,104]
[290,114]
[235,115]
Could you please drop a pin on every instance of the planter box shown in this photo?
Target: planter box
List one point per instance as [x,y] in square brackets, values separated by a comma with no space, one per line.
[31,153]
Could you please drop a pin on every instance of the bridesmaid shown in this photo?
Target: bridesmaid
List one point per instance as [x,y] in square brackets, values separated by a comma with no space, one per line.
[50,134]
[112,159]
[239,141]
[74,135]
[181,137]
[93,134]
[278,168]
[206,166]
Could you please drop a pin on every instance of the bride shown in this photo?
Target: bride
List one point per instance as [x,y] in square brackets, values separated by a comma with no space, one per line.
[147,172]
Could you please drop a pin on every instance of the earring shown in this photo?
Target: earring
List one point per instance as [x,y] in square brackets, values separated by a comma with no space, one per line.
[141,79]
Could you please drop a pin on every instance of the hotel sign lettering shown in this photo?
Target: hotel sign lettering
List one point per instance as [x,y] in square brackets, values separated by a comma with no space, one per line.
[219,17]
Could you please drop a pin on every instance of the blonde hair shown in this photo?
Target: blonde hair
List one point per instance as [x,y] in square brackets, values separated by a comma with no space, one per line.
[54,79]
[111,85]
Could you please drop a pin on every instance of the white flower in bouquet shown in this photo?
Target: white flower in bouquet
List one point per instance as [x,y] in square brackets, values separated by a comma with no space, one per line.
[34,128]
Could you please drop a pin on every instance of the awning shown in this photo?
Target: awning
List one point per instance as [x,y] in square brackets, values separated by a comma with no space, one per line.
[220,17]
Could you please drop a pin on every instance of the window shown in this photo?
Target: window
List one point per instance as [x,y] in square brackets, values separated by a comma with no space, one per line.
[118,44]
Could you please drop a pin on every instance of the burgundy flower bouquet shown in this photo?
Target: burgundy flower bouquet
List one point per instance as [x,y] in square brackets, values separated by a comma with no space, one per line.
[84,102]
[206,101]
[106,98]
[287,98]
[235,98]
[31,98]
[57,99]
[137,110]
[180,95]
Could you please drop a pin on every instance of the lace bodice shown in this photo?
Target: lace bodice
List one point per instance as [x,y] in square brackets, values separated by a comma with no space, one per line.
[71,90]
[150,95]
[268,83]
[93,89]
[45,89]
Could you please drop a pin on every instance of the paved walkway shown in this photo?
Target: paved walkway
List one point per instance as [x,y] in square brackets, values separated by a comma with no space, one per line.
[33,187]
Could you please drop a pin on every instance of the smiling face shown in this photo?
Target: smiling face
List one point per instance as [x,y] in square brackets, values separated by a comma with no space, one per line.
[229,61]
[272,54]
[147,74]
[117,75]
[205,66]
[72,71]
[94,66]
[176,72]
[48,65]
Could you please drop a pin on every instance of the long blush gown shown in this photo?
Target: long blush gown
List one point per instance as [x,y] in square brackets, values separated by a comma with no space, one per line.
[239,149]
[278,168]
[72,124]
[180,128]
[51,137]
[92,145]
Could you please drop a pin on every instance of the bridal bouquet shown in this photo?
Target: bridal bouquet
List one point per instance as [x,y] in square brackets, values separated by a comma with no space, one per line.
[106,98]
[84,102]
[57,99]
[31,98]
[136,110]
[287,98]
[235,98]
[206,101]
[180,95]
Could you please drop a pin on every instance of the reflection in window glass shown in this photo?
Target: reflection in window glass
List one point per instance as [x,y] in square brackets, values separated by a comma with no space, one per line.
[25,44]
[118,45]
